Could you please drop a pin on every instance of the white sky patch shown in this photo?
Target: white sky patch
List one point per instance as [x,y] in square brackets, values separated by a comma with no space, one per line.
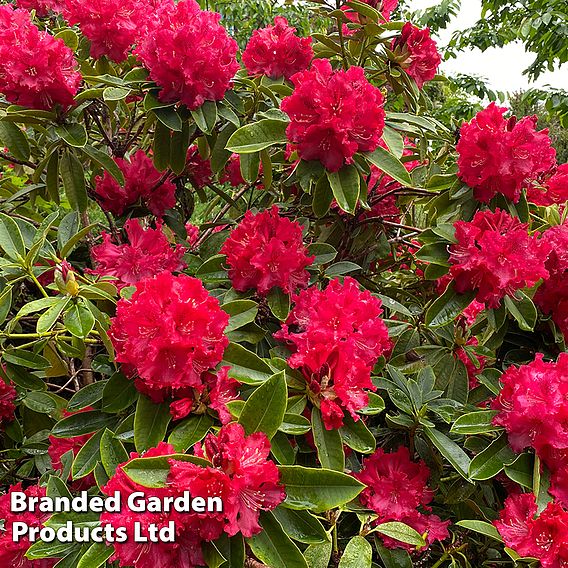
[503,67]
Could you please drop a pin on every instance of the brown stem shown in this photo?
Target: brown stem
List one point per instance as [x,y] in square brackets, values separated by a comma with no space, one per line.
[8,158]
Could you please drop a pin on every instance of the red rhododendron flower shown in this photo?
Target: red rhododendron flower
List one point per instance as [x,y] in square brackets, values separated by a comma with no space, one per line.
[110,27]
[8,395]
[169,332]
[185,551]
[418,53]
[192,234]
[473,362]
[232,172]
[197,169]
[533,404]
[142,182]
[265,251]
[42,7]
[552,296]
[13,553]
[250,479]
[502,156]
[544,537]
[396,489]
[495,256]
[553,188]
[60,446]
[36,69]
[189,54]
[333,114]
[276,51]
[147,253]
[336,336]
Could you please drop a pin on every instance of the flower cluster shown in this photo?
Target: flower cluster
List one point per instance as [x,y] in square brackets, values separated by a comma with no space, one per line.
[385,7]
[418,53]
[495,256]
[276,51]
[502,156]
[196,168]
[142,183]
[336,336]
[170,332]
[111,28]
[147,253]
[36,70]
[552,295]
[8,395]
[544,537]
[265,251]
[241,473]
[189,54]
[42,7]
[552,189]
[397,490]
[13,553]
[333,114]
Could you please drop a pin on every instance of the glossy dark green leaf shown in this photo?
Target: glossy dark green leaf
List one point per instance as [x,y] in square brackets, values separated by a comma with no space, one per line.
[257,136]
[150,423]
[328,444]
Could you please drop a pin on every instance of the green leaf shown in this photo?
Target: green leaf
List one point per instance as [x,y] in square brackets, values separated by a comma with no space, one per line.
[241,313]
[82,423]
[88,457]
[74,134]
[205,116]
[150,423]
[328,444]
[323,253]
[169,117]
[318,555]
[40,402]
[345,185]
[257,136]
[401,532]
[521,470]
[97,555]
[323,197]
[393,558]
[179,147]
[264,409]
[390,165]
[15,140]
[11,239]
[273,547]
[24,358]
[481,527]
[5,303]
[69,38]
[394,141]
[317,489]
[492,460]
[357,436]
[119,393]
[105,162]
[51,315]
[279,303]
[246,366]
[301,526]
[112,452]
[73,177]
[524,311]
[343,267]
[55,549]
[295,424]
[79,320]
[376,405]
[357,554]
[479,422]
[447,307]
[190,431]
[161,146]
[450,450]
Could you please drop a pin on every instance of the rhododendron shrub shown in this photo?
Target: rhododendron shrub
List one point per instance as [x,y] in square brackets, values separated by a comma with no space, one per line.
[271,277]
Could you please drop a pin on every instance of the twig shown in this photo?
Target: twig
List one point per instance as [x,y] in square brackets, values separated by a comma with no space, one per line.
[8,158]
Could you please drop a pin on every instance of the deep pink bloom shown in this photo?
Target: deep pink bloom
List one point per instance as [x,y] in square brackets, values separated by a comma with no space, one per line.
[265,251]
[8,396]
[192,234]
[516,521]
[473,362]
[36,70]
[111,28]
[551,188]
[147,253]
[495,256]
[336,336]
[13,553]
[502,156]
[418,53]
[333,114]
[276,51]
[533,405]
[396,489]
[42,7]
[250,482]
[142,183]
[189,54]
[233,175]
[169,333]
[197,169]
